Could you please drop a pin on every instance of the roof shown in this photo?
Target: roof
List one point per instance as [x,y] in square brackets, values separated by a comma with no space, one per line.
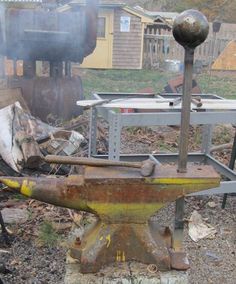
[144,17]
[102,3]
[110,4]
[168,16]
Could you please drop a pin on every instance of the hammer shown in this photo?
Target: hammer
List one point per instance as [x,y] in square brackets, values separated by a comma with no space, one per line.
[147,167]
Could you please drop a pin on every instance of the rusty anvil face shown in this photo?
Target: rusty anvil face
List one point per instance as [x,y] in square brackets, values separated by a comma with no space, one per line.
[123,200]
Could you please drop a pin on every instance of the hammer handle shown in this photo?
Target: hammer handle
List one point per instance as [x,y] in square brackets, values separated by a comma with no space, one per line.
[53,159]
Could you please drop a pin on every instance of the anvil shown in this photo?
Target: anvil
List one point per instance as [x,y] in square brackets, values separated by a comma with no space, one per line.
[123,200]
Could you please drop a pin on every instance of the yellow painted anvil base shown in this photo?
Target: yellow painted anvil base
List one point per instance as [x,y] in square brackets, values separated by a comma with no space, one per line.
[114,243]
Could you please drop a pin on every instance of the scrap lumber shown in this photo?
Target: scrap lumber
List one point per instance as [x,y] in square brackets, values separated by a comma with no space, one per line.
[221,147]
[15,119]
[30,149]
[176,85]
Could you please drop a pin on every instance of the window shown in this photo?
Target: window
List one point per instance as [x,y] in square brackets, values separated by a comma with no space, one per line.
[101,29]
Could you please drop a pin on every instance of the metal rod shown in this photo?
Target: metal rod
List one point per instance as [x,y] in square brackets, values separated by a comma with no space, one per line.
[231,166]
[186,107]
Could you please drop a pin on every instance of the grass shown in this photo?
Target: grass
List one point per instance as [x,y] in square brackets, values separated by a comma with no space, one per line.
[48,235]
[134,80]
[122,80]
[224,86]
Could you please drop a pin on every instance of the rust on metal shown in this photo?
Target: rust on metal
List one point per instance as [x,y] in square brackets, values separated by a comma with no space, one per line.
[147,167]
[115,194]
[179,260]
[40,92]
[123,200]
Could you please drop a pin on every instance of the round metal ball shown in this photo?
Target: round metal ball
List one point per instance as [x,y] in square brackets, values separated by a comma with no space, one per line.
[190,28]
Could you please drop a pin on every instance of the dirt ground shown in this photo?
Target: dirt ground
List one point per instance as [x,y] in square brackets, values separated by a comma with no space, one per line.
[38,250]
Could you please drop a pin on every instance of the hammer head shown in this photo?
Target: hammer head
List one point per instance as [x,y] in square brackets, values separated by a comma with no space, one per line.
[147,168]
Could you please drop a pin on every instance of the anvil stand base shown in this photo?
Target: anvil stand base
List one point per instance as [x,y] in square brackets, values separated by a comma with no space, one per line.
[107,251]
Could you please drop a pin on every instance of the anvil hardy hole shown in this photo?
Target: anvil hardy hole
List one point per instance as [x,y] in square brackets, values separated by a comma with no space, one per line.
[199,169]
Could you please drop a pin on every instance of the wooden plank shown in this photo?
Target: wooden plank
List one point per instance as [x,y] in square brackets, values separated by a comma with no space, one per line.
[125,55]
[126,46]
[10,96]
[30,149]
[129,42]
[136,38]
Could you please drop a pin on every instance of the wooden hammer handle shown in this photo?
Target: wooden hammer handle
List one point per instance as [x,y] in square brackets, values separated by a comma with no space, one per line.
[53,159]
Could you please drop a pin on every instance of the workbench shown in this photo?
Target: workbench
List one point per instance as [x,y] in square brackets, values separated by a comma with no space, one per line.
[222,112]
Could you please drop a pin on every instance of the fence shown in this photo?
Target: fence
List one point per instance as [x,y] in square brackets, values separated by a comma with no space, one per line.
[160,45]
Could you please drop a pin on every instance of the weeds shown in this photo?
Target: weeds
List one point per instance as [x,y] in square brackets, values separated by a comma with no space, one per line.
[48,235]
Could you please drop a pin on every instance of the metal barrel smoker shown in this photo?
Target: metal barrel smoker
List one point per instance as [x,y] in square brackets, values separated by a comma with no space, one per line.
[123,197]
[57,37]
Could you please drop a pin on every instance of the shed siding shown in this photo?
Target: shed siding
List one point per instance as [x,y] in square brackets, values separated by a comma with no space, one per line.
[127,45]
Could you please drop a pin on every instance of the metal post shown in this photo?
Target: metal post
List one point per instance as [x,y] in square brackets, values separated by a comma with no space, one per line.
[114,136]
[186,108]
[231,166]
[177,239]
[207,138]
[190,29]
[93,132]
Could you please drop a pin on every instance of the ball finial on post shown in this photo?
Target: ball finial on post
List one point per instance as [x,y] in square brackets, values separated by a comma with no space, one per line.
[190,28]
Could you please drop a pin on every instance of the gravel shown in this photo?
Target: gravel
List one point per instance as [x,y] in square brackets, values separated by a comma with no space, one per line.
[33,265]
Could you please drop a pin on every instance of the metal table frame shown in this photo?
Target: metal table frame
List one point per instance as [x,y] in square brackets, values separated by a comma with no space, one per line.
[208,119]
